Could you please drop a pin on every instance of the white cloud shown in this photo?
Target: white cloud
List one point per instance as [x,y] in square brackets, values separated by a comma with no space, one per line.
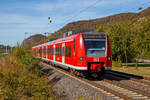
[17,18]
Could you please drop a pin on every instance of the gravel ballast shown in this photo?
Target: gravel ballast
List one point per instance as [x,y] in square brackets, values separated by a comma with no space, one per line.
[72,89]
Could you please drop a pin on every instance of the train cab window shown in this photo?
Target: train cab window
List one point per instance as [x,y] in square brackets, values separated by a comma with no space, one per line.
[95,47]
[69,51]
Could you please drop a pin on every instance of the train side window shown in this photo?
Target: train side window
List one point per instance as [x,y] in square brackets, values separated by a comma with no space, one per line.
[49,51]
[46,51]
[66,51]
[63,51]
[60,51]
[53,51]
[74,44]
[56,51]
[69,51]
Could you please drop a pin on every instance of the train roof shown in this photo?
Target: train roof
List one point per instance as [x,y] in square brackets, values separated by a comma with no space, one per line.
[68,38]
[58,40]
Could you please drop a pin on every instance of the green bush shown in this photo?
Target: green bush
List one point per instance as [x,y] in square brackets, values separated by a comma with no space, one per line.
[30,62]
[21,79]
[18,83]
[130,38]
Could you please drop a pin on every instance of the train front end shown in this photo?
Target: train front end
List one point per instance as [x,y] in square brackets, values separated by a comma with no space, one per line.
[97,49]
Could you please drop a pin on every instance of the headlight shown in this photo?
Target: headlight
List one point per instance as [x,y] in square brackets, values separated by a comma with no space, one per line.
[108,58]
[82,58]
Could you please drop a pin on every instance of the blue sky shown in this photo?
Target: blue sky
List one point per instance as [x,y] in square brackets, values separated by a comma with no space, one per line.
[20,16]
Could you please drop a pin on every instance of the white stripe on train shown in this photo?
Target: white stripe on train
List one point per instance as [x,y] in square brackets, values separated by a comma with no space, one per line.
[71,66]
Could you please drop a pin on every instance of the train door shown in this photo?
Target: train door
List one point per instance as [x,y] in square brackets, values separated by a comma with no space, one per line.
[42,51]
[63,52]
[73,53]
[54,52]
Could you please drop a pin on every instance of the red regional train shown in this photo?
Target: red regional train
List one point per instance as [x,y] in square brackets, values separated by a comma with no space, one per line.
[88,51]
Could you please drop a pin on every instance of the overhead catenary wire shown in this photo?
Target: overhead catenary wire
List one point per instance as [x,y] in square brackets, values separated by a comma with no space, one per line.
[88,7]
[81,11]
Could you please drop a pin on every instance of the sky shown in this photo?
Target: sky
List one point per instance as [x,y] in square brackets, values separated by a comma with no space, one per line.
[18,17]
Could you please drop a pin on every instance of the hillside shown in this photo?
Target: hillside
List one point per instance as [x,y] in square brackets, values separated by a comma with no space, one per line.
[144,13]
[92,24]
[33,40]
[87,25]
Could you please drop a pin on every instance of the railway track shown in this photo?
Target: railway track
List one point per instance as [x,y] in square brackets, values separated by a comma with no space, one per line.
[145,82]
[132,82]
[113,89]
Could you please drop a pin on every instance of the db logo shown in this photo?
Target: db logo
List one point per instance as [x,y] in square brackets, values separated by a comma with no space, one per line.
[96,60]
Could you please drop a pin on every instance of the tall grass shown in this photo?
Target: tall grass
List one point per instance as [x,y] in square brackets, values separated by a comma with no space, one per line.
[20,78]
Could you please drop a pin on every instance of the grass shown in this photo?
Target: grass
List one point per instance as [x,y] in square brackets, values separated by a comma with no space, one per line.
[21,79]
[143,69]
[139,64]
[3,55]
[17,83]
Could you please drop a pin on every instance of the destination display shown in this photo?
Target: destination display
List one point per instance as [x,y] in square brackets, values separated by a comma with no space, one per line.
[85,36]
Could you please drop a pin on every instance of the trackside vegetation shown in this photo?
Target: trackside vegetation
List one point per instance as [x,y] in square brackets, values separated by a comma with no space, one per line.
[21,79]
[130,38]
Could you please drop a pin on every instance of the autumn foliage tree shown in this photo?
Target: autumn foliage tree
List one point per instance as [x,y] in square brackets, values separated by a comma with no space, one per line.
[129,38]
